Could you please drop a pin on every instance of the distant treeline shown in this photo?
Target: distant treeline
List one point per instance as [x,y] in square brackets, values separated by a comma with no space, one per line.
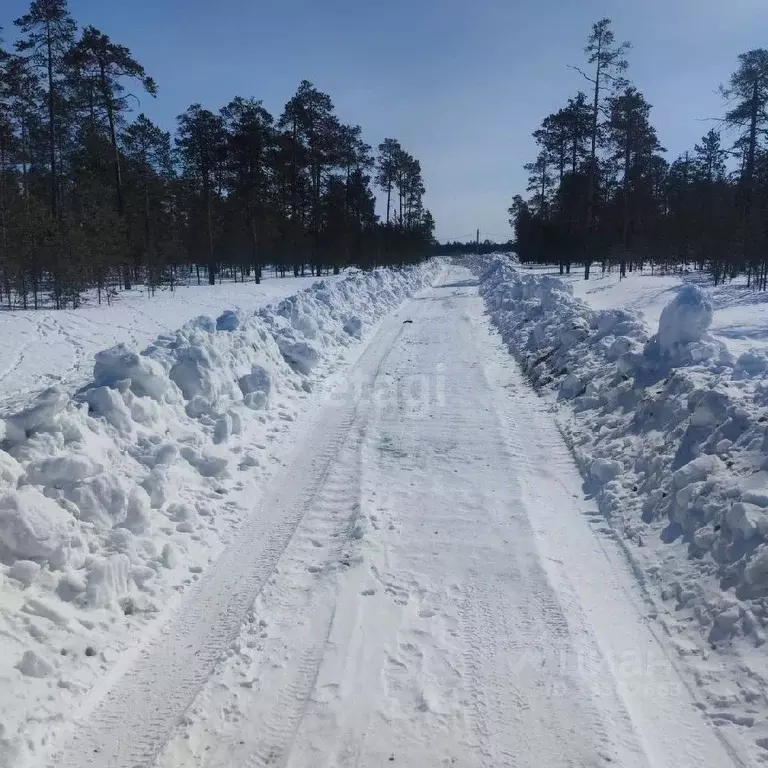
[485,247]
[93,197]
[602,190]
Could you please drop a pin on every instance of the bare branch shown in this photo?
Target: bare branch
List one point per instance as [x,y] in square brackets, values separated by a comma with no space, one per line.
[582,73]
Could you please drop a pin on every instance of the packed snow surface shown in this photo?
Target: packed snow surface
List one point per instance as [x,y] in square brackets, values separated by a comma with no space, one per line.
[422,583]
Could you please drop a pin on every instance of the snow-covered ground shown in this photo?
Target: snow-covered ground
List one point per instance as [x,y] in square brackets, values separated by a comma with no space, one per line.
[421,583]
[45,347]
[740,317]
[348,531]
[115,502]
[668,427]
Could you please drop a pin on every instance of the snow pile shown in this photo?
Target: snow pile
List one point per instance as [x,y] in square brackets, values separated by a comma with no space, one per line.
[111,498]
[670,433]
[48,347]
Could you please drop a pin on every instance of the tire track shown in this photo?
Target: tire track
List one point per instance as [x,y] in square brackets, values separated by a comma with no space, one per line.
[332,523]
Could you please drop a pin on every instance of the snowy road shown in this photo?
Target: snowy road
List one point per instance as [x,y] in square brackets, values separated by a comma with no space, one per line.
[431,589]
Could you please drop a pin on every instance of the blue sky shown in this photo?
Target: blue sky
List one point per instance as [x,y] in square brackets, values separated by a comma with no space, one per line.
[460,84]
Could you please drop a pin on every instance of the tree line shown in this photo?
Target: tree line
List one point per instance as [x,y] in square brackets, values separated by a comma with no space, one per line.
[485,247]
[95,197]
[601,189]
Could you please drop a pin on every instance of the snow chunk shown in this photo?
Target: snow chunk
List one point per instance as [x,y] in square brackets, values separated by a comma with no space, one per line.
[169,557]
[61,471]
[109,404]
[570,386]
[107,580]
[756,496]
[137,519]
[223,429]
[710,408]
[32,665]
[32,525]
[701,468]
[751,364]
[685,319]
[620,346]
[745,519]
[200,375]
[40,416]
[202,323]
[24,571]
[300,355]
[208,464]
[46,610]
[756,570]
[102,498]
[120,363]
[70,585]
[604,470]
[354,326]
[228,321]
[10,469]
[258,380]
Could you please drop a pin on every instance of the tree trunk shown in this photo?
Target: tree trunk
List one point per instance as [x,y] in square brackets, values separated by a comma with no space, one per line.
[749,170]
[109,105]
[592,181]
[255,252]
[52,125]
[625,191]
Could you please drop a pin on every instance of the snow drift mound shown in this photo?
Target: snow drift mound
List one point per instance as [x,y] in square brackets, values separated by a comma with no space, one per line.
[114,457]
[669,431]
[104,496]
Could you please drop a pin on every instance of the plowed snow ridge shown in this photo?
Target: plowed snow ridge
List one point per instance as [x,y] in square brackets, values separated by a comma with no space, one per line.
[44,347]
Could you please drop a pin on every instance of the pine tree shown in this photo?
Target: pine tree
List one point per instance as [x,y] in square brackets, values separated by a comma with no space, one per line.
[709,162]
[150,175]
[250,140]
[747,92]
[609,63]
[48,34]
[540,182]
[9,155]
[635,142]
[313,128]
[386,169]
[107,65]
[201,142]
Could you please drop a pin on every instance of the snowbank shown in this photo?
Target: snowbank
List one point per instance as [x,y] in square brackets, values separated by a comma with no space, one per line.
[740,314]
[48,347]
[670,432]
[112,498]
